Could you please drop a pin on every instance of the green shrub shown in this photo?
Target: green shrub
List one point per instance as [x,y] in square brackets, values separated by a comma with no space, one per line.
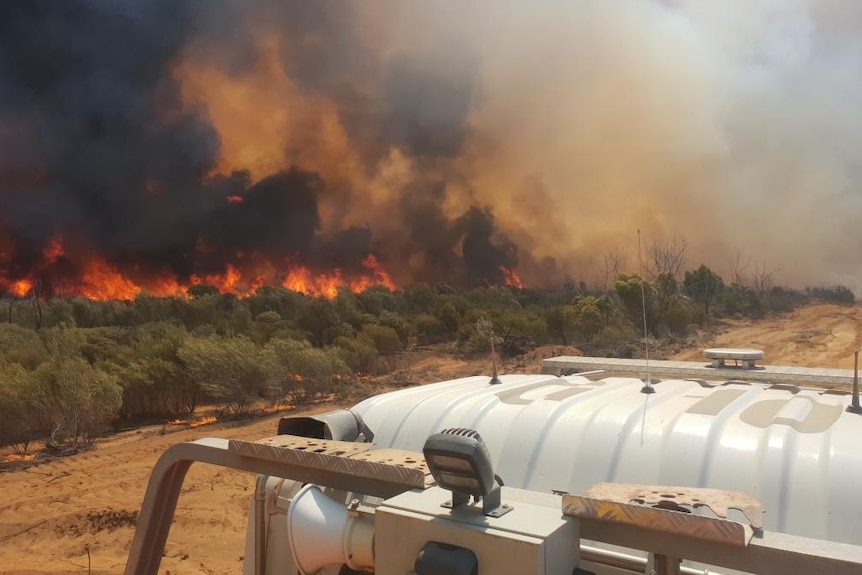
[20,423]
[385,339]
[76,400]
[358,353]
[429,329]
[22,346]
[298,369]
[835,294]
[228,369]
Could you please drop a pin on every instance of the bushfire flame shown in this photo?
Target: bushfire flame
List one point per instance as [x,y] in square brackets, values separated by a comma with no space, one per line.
[301,280]
[99,280]
[511,278]
[21,288]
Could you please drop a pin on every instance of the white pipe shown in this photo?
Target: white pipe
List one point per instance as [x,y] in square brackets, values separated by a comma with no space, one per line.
[260,530]
[628,562]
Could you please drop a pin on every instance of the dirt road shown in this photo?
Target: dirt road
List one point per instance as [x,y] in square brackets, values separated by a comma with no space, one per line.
[50,515]
[814,336]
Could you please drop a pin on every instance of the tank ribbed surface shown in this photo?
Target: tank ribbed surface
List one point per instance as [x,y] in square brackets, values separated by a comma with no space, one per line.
[797,451]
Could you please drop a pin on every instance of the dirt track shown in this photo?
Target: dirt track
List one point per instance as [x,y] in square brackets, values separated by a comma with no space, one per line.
[815,336]
[92,499]
[51,514]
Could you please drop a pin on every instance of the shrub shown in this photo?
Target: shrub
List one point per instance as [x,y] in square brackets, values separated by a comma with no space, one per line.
[296,368]
[617,340]
[385,339]
[835,294]
[22,346]
[19,406]
[429,329]
[154,379]
[76,399]
[358,353]
[228,370]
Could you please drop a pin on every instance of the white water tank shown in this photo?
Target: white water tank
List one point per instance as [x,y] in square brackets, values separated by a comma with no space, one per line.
[794,450]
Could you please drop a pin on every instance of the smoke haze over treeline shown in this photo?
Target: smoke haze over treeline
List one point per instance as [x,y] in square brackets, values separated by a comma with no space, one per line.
[453,140]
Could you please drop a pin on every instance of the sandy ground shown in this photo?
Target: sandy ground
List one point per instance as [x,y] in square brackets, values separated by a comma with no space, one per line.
[814,336]
[90,501]
[52,514]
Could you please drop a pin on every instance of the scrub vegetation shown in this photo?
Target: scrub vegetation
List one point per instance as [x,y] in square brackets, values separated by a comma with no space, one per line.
[72,368]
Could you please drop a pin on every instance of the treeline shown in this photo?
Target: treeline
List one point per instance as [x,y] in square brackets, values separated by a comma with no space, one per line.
[70,367]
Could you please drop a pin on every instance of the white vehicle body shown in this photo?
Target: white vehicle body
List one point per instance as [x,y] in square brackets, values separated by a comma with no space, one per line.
[795,450]
[554,443]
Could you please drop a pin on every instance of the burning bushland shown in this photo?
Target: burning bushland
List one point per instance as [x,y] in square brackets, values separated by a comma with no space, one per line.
[159,144]
[154,146]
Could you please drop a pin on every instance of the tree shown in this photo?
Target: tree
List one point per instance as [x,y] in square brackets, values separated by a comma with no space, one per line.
[448,316]
[376,299]
[154,379]
[665,257]
[585,317]
[611,266]
[297,368]
[19,406]
[703,285]
[22,346]
[76,399]
[667,289]
[228,369]
[635,295]
[385,338]
[359,353]
[316,318]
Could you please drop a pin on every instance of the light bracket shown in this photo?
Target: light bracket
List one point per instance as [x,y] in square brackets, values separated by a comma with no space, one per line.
[459,462]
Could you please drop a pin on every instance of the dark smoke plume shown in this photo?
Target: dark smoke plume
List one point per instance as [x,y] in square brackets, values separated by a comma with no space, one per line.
[451,139]
[100,147]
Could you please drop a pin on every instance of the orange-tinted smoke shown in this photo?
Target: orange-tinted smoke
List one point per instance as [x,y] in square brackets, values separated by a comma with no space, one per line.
[734,129]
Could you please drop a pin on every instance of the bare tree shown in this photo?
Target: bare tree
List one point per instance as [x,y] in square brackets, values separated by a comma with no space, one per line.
[36,295]
[584,271]
[10,307]
[738,269]
[665,256]
[762,279]
[613,265]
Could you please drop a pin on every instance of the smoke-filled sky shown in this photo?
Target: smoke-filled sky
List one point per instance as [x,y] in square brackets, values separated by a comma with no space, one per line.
[448,138]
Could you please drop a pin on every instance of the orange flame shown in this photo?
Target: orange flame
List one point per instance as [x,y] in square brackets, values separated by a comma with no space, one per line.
[193,423]
[102,282]
[21,288]
[99,280]
[18,457]
[203,421]
[511,278]
[226,283]
[301,280]
[167,287]
[54,250]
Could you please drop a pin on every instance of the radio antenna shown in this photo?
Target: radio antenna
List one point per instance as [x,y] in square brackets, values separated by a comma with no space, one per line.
[494,379]
[647,388]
